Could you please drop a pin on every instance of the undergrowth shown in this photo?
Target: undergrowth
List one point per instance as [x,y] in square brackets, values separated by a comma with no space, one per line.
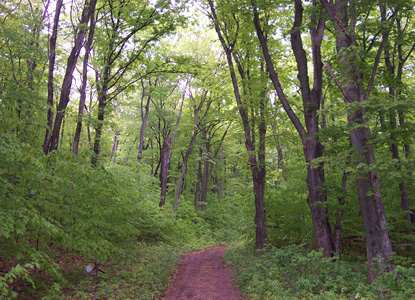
[293,272]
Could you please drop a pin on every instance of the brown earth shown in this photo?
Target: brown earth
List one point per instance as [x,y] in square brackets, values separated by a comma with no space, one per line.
[203,276]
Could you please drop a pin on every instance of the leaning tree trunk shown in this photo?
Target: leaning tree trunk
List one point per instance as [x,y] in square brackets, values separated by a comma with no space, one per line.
[70,67]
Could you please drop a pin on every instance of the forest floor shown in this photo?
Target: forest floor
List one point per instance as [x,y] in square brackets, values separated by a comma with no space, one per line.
[203,276]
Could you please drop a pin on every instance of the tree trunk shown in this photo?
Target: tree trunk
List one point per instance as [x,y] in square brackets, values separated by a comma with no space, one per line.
[220,180]
[186,157]
[394,91]
[82,98]
[52,56]
[144,117]
[114,149]
[378,245]
[338,227]
[205,174]
[164,169]
[257,168]
[199,179]
[166,152]
[102,103]
[67,80]
[311,103]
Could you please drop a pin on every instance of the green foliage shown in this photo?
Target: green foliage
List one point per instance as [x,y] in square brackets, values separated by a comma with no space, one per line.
[293,272]
[140,270]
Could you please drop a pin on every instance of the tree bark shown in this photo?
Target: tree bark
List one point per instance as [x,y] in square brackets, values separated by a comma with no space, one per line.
[186,157]
[82,97]
[166,152]
[378,245]
[338,226]
[311,102]
[102,103]
[89,6]
[394,92]
[205,173]
[199,179]
[52,56]
[114,149]
[257,166]
[164,169]
[144,118]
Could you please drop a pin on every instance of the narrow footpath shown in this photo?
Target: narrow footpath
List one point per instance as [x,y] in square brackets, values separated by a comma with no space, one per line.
[203,276]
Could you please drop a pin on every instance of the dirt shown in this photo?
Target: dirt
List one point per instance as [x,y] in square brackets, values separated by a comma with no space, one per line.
[203,276]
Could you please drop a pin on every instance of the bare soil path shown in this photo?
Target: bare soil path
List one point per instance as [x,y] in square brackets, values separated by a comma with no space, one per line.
[203,276]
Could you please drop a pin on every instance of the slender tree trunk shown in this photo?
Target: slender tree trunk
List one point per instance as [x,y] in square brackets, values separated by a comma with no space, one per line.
[70,67]
[199,179]
[82,98]
[102,103]
[186,157]
[164,169]
[144,117]
[338,227]
[52,55]
[205,174]
[142,130]
[257,168]
[396,80]
[166,152]
[220,181]
[278,146]
[114,149]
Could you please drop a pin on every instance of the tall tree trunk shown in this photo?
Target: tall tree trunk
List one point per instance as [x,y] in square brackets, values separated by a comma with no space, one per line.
[144,118]
[164,169]
[114,149]
[205,173]
[82,97]
[257,168]
[102,103]
[166,152]
[52,56]
[378,245]
[199,179]
[220,180]
[311,102]
[89,6]
[186,157]
[394,92]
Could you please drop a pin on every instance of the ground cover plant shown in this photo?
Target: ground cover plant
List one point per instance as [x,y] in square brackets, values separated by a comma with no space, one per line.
[297,272]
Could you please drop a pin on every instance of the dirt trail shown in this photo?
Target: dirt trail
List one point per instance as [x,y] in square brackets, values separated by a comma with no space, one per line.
[203,276]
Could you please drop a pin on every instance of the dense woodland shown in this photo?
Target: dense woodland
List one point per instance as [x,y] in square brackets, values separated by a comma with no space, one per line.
[134,131]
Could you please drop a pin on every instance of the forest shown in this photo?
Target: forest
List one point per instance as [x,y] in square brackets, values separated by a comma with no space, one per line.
[132,132]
